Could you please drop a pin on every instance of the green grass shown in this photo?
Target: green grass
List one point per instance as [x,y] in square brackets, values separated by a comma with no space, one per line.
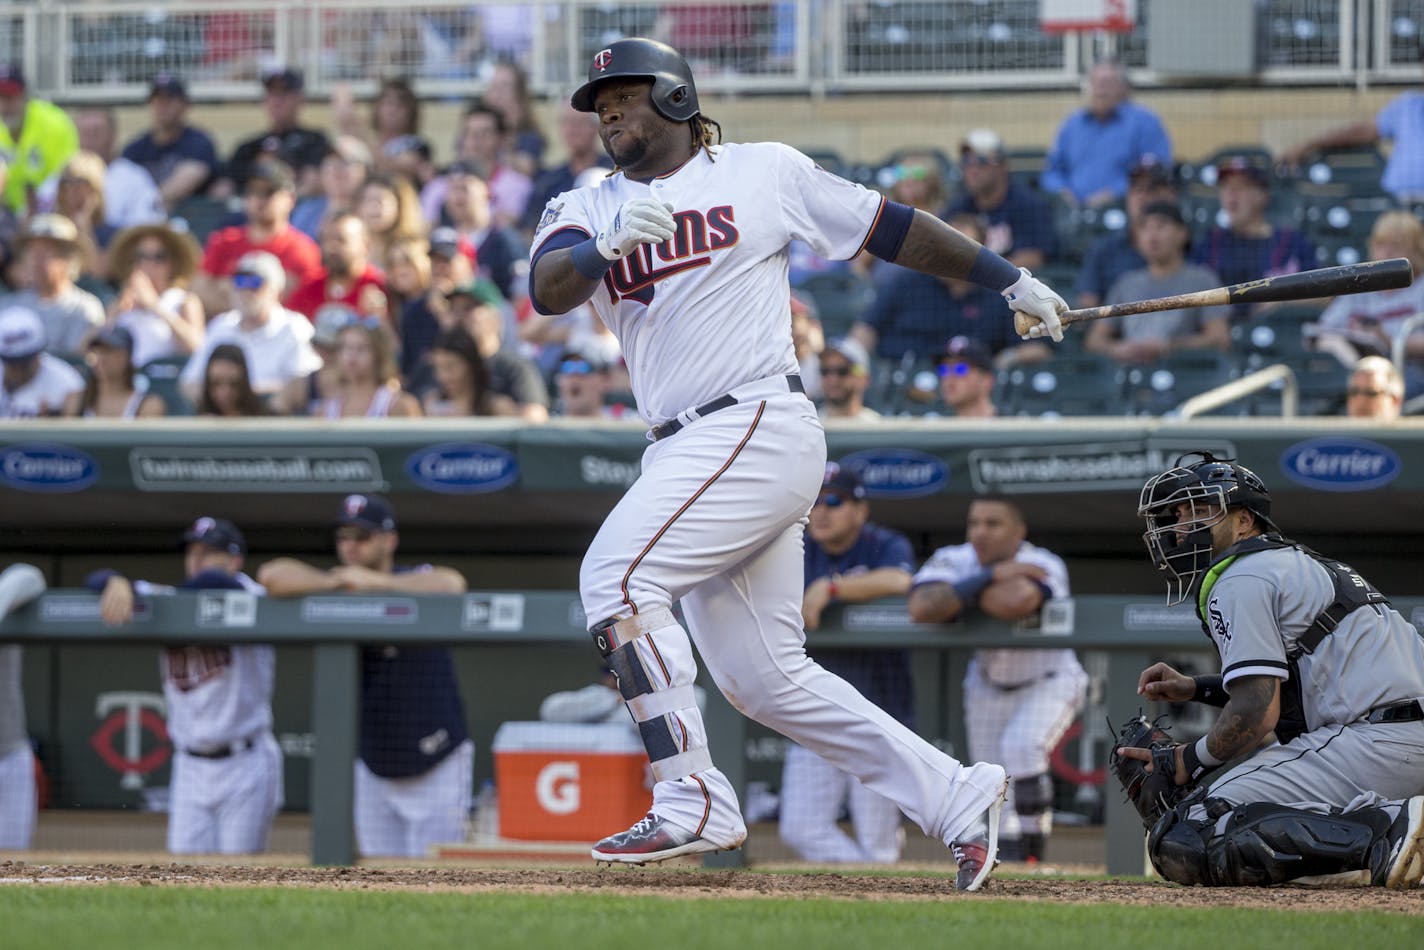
[195,918]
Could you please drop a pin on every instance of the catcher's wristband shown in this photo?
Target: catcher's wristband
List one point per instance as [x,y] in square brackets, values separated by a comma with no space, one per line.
[1210,691]
[1198,760]
[969,589]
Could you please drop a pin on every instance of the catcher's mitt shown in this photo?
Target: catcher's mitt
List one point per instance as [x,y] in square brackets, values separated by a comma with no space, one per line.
[1153,793]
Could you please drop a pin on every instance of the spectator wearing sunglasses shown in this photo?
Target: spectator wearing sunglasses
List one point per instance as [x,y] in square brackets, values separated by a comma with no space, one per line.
[582,385]
[1017,221]
[275,340]
[153,265]
[845,375]
[848,560]
[1376,390]
[966,379]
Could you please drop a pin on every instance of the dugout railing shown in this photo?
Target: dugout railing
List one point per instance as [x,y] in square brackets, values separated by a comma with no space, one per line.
[1132,631]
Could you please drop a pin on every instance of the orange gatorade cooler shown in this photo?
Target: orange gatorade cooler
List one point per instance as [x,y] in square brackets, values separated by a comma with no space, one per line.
[560,781]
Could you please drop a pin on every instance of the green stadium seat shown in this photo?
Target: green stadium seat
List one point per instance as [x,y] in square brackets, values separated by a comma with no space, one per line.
[840,298]
[162,376]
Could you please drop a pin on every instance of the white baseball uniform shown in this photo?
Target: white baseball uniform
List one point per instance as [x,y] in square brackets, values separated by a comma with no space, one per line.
[226,785]
[716,518]
[1017,702]
[19,584]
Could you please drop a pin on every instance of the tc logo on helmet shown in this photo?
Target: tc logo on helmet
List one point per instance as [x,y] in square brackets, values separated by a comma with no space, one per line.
[602,59]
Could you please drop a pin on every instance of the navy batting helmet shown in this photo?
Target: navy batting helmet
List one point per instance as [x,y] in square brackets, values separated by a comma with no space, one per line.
[1180,542]
[674,94]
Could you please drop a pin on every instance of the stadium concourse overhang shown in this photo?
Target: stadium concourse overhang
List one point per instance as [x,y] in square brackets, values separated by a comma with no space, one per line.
[489,485]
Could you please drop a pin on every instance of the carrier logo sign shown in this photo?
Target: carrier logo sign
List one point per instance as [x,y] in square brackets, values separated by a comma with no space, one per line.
[44,467]
[898,473]
[1087,466]
[462,468]
[1330,464]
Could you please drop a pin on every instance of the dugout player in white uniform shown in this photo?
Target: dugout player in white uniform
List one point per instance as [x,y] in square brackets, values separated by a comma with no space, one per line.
[683,253]
[1310,651]
[414,774]
[1017,703]
[226,785]
[19,584]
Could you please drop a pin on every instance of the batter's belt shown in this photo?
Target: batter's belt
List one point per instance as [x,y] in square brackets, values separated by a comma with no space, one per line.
[771,386]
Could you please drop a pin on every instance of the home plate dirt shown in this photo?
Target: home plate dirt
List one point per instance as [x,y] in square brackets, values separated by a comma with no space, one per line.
[683,882]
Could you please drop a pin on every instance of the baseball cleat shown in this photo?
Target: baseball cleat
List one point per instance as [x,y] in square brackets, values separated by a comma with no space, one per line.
[976,851]
[1406,865]
[651,840]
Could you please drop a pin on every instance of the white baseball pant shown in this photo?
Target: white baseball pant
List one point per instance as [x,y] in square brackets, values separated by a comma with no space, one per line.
[812,793]
[225,806]
[405,817]
[17,799]
[716,521]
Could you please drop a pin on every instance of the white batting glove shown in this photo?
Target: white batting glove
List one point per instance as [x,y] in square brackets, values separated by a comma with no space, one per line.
[1036,308]
[639,221]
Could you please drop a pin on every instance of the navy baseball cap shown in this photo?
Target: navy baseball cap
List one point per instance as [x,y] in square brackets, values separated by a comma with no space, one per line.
[212,579]
[966,349]
[113,337]
[167,84]
[1242,165]
[843,481]
[284,77]
[216,533]
[367,511]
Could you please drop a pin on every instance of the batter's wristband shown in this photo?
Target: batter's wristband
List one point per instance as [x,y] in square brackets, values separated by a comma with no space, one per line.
[1209,690]
[969,589]
[587,261]
[992,271]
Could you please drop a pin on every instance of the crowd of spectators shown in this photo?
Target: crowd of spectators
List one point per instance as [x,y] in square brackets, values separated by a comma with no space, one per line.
[344,272]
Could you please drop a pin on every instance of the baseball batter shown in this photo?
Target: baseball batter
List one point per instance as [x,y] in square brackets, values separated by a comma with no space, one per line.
[226,785]
[1017,703]
[19,584]
[683,253]
[1310,651]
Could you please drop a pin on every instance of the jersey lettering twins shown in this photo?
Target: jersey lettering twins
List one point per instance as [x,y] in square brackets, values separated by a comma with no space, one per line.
[722,276]
[1006,667]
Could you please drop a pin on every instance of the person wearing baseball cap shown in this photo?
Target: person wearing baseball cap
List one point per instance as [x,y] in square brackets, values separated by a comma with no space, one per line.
[848,560]
[35,383]
[1018,222]
[49,248]
[226,786]
[1150,179]
[37,137]
[479,308]
[414,776]
[181,158]
[845,376]
[111,391]
[1249,246]
[966,378]
[343,170]
[1162,238]
[284,138]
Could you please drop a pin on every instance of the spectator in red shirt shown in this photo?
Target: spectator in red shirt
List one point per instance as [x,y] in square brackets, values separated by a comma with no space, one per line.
[268,200]
[346,274]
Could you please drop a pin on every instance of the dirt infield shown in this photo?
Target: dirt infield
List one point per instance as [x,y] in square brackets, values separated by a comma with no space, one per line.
[693,883]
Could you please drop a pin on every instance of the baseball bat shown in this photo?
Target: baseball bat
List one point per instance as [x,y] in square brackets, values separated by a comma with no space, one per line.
[1325,282]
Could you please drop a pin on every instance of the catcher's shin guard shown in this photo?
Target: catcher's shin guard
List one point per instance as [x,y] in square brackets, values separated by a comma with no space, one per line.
[1177,847]
[1264,843]
[652,658]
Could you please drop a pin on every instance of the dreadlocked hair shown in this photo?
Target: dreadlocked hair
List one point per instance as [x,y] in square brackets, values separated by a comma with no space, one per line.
[702,133]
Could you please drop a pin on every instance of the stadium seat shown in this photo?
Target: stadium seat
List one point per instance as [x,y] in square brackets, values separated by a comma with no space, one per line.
[1178,376]
[1359,169]
[840,297]
[162,376]
[1026,165]
[1083,385]
[200,216]
[1320,382]
[1273,336]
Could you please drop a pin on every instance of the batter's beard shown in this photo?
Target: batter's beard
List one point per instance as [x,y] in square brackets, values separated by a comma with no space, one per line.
[630,154]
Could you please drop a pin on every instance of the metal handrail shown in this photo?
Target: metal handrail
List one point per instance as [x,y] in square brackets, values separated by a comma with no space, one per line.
[1245,386]
[1401,335]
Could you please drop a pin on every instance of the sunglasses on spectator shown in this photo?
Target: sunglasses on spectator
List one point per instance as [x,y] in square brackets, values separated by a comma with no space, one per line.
[1369,393]
[260,194]
[830,500]
[978,160]
[575,367]
[246,280]
[153,257]
[954,369]
[917,172]
[359,535]
[836,371]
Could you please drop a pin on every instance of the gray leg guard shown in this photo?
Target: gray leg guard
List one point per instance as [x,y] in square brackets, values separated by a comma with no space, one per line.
[1033,801]
[1261,844]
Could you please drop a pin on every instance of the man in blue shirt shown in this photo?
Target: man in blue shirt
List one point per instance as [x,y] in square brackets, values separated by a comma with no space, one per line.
[1018,223]
[1097,144]
[1113,254]
[848,560]
[181,158]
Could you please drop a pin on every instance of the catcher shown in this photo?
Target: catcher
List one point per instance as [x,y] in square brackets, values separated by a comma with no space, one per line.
[1310,651]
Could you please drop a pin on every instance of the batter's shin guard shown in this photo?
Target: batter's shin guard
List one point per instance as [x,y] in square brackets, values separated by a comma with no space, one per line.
[1264,844]
[652,657]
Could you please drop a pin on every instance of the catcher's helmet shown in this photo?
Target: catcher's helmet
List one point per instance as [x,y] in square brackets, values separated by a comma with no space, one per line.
[1181,547]
[674,94]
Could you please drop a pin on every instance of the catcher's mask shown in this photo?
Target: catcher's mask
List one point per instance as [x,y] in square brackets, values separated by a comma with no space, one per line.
[1179,541]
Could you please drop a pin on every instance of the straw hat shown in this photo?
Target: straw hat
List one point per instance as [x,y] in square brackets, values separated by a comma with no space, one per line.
[182,252]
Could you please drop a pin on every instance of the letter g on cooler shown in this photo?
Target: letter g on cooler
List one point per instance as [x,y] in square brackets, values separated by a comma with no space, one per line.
[557,788]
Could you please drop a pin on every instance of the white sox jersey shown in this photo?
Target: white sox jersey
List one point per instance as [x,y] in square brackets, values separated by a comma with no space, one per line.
[695,321]
[1007,667]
